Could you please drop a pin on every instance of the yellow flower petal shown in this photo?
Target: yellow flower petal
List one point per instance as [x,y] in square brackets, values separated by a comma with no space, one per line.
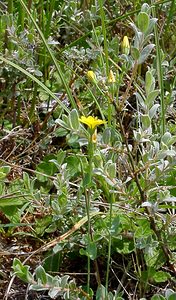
[111,78]
[91,122]
[91,75]
[125,46]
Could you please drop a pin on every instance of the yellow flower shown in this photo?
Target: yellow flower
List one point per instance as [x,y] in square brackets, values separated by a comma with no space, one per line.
[125,46]
[91,75]
[91,122]
[111,78]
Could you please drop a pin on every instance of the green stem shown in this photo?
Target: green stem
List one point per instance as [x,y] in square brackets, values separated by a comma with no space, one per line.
[87,197]
[160,74]
[21,15]
[33,104]
[104,37]
[8,43]
[106,55]
[88,204]
[109,246]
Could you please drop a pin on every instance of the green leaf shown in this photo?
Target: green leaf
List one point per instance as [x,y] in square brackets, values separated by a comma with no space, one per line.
[145,8]
[60,132]
[166,137]
[135,53]
[146,121]
[143,21]
[74,119]
[153,110]
[61,156]
[144,229]
[5,202]
[145,53]
[22,271]
[101,292]
[41,274]
[172,297]
[115,227]
[149,82]
[151,98]
[107,135]
[140,100]
[158,297]
[168,293]
[111,169]
[54,292]
[91,250]
[161,276]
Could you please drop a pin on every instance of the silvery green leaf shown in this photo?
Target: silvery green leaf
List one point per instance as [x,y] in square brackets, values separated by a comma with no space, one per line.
[107,135]
[64,281]
[153,110]
[74,119]
[41,274]
[146,121]
[151,25]
[135,53]
[170,199]
[134,28]
[112,170]
[149,82]
[163,153]
[145,8]
[143,21]
[54,292]
[172,140]
[145,53]
[101,292]
[139,39]
[166,137]
[62,123]
[151,98]
[37,287]
[147,204]
[140,100]
[99,171]
[168,293]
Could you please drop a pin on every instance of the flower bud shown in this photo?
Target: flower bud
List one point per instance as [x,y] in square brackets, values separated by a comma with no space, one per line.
[91,76]
[94,136]
[125,46]
[111,78]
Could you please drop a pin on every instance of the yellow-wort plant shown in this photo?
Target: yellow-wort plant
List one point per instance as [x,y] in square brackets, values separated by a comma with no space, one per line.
[92,123]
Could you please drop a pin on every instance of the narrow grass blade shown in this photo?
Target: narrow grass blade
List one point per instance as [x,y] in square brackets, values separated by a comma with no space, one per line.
[72,101]
[36,80]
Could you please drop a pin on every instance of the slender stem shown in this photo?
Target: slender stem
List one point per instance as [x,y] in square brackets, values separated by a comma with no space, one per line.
[8,43]
[102,13]
[104,36]
[160,74]
[109,245]
[87,194]
[88,204]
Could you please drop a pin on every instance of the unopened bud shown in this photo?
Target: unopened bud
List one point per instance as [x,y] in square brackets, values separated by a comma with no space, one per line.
[94,136]
[125,45]
[111,78]
[91,75]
